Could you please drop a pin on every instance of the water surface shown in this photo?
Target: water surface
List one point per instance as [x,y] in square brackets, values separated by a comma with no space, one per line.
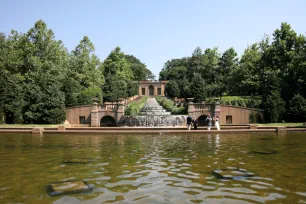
[149,169]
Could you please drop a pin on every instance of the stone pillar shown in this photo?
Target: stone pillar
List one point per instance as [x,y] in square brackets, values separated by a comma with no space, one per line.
[95,115]
[281,129]
[162,89]
[217,110]
[155,90]
[191,107]
[61,128]
[37,131]
[252,126]
[139,90]
[120,110]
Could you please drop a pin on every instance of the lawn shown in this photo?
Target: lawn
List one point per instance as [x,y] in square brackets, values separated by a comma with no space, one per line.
[231,98]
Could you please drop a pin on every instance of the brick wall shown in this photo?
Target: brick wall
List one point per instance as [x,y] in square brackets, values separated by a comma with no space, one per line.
[73,114]
[240,115]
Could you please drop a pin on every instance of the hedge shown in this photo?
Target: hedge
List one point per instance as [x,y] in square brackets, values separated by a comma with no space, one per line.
[135,107]
[169,105]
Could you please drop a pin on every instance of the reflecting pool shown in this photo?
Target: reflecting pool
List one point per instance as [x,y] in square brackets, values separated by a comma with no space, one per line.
[154,168]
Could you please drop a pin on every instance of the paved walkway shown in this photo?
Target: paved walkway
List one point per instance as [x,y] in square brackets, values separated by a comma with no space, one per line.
[152,101]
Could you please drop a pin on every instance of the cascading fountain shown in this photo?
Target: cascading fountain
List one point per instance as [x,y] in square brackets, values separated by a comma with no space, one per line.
[154,115]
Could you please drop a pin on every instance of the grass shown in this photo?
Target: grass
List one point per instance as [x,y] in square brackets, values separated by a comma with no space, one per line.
[231,98]
[135,107]
[280,124]
[28,125]
[169,105]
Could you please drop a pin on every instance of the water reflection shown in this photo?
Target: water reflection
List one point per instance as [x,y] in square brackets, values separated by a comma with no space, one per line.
[154,168]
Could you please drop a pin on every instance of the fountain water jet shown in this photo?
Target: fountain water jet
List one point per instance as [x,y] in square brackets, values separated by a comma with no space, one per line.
[154,115]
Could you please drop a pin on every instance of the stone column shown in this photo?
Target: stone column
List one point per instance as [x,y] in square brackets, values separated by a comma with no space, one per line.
[217,110]
[155,91]
[162,89]
[120,110]
[139,90]
[95,115]
[191,108]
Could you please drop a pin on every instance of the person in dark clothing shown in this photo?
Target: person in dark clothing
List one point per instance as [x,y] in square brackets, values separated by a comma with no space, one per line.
[195,124]
[189,121]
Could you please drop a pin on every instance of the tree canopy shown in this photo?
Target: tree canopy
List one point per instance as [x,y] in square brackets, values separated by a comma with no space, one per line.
[272,68]
[39,77]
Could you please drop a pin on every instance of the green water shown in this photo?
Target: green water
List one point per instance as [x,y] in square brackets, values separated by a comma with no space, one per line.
[148,169]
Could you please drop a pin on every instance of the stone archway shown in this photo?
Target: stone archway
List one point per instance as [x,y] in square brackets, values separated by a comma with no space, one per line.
[202,120]
[151,90]
[107,121]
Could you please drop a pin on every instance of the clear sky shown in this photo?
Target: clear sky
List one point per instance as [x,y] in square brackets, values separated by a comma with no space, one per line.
[156,30]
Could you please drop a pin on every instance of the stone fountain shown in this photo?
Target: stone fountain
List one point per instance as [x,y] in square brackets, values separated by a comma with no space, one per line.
[154,115]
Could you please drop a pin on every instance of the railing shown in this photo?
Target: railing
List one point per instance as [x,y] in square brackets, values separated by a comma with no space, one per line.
[202,106]
[108,106]
[113,106]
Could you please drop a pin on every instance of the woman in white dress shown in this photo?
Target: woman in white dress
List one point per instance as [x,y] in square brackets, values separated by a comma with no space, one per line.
[217,123]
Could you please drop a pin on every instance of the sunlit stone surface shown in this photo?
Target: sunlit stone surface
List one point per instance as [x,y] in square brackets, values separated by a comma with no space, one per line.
[68,187]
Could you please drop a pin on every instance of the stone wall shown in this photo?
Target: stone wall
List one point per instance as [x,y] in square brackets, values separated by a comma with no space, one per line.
[155,85]
[238,115]
[73,114]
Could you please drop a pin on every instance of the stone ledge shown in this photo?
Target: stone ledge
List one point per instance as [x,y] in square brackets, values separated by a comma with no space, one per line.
[38,131]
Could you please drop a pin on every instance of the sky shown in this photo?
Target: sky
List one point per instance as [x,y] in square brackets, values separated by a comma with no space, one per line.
[159,30]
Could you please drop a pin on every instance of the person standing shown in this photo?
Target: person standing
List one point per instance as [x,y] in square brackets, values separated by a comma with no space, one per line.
[209,120]
[195,124]
[217,123]
[189,120]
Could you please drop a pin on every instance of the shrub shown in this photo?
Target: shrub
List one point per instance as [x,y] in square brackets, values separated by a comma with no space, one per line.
[297,108]
[255,117]
[274,106]
[170,106]
[135,107]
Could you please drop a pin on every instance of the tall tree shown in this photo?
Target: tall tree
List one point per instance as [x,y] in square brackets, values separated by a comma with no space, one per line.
[172,89]
[45,64]
[116,64]
[117,75]
[139,69]
[197,88]
[84,77]
[228,64]
[11,79]
[246,78]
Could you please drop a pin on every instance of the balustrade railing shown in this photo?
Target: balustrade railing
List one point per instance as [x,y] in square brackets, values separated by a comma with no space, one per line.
[202,106]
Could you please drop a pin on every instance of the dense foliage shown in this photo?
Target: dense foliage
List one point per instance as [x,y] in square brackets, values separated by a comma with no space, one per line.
[169,105]
[135,107]
[274,69]
[39,77]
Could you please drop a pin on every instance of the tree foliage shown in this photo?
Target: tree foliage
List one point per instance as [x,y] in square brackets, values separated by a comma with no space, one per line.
[270,68]
[39,77]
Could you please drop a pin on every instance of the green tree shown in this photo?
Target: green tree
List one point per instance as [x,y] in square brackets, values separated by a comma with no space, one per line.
[139,69]
[114,88]
[172,89]
[274,107]
[45,64]
[117,76]
[11,79]
[228,65]
[84,77]
[197,88]
[297,108]
[246,78]
[116,64]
